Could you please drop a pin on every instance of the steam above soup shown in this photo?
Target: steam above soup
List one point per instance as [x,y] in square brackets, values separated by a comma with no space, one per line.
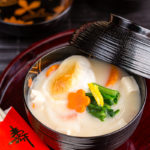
[84,97]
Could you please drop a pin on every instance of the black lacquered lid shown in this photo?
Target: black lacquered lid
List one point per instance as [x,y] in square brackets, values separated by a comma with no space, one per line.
[120,42]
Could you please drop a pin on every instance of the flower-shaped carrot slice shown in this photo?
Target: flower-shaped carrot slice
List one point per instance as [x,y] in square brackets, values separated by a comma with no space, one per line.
[78,101]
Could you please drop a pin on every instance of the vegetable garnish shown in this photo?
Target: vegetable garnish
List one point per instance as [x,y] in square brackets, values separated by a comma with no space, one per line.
[51,69]
[101,112]
[113,77]
[96,93]
[109,95]
[29,82]
[112,113]
[33,105]
[78,101]
[110,98]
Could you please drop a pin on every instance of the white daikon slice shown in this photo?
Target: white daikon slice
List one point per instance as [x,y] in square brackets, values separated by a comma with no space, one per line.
[128,86]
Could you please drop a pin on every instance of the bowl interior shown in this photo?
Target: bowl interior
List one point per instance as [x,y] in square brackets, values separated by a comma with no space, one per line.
[62,53]
[51,57]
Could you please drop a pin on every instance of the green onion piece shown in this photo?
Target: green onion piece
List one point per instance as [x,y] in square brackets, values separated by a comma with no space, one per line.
[112,113]
[110,101]
[110,98]
[97,111]
[109,94]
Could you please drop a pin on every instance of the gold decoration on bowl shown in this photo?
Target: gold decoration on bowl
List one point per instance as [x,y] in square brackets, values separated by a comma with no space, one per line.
[37,68]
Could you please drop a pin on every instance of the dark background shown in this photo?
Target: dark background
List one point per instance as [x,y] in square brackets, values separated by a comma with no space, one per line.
[82,11]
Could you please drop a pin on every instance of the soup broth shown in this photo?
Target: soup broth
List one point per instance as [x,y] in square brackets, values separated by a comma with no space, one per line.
[50,104]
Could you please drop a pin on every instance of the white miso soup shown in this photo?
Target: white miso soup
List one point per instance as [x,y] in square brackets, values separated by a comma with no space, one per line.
[84,97]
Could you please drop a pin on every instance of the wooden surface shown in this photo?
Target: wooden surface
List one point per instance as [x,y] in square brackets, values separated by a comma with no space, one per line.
[83,11]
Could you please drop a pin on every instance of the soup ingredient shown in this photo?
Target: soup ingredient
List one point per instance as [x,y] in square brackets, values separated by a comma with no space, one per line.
[95,110]
[38,99]
[33,105]
[63,79]
[26,7]
[113,77]
[78,101]
[73,73]
[101,112]
[112,113]
[29,82]
[96,93]
[109,95]
[51,69]
[129,85]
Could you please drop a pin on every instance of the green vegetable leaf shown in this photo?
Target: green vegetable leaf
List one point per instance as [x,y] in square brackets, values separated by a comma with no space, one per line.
[112,113]
[110,98]
[97,111]
[109,94]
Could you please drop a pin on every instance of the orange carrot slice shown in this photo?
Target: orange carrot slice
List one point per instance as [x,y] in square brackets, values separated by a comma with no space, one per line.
[29,82]
[51,69]
[33,105]
[78,101]
[113,77]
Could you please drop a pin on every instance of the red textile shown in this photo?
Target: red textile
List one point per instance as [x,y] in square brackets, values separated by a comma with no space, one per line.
[15,134]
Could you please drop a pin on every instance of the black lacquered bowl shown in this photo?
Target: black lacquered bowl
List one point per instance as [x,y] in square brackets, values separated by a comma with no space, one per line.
[38,28]
[58,140]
